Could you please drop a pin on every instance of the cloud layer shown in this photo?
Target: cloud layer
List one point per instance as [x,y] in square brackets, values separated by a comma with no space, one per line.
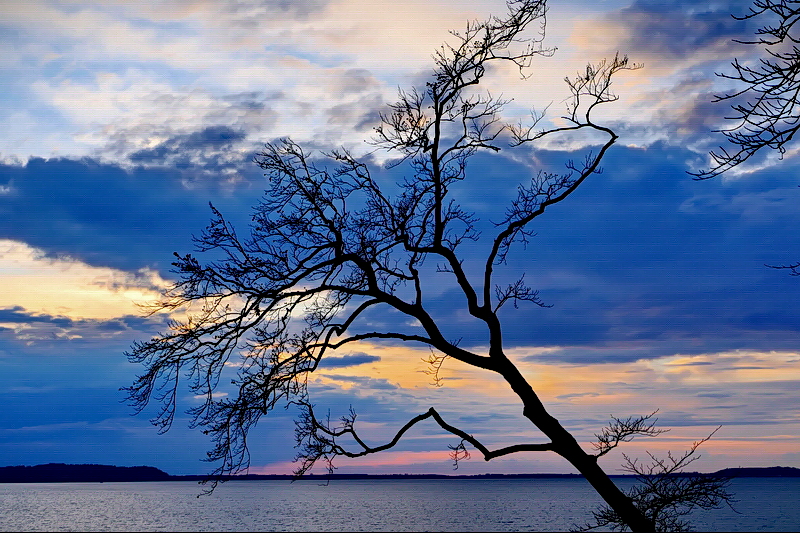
[121,121]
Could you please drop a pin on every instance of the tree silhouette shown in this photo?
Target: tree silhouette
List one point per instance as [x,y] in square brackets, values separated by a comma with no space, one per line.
[770,115]
[329,244]
[665,494]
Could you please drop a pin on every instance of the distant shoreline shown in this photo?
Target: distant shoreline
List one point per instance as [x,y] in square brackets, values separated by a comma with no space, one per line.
[92,473]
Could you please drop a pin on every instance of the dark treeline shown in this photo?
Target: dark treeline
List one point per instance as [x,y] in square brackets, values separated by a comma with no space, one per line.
[59,472]
[773,471]
[90,473]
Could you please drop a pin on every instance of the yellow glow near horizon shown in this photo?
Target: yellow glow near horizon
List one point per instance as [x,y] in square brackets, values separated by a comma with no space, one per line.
[382,459]
[66,287]
[405,367]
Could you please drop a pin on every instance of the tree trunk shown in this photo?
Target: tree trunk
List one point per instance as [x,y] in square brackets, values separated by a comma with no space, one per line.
[605,487]
[565,445]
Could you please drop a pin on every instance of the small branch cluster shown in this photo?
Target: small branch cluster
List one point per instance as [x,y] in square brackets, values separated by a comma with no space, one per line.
[665,493]
[770,118]
[589,89]
[435,362]
[517,292]
[458,453]
[317,440]
[620,431]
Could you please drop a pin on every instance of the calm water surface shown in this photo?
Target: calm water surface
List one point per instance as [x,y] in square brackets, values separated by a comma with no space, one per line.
[355,505]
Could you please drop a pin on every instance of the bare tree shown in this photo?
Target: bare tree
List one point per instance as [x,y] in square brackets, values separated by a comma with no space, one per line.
[770,115]
[665,493]
[327,245]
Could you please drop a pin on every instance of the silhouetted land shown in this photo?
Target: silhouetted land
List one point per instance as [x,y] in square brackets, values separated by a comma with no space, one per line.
[88,473]
[55,472]
[773,471]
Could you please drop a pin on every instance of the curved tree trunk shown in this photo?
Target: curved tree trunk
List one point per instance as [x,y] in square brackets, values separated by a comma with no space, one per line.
[565,445]
[587,465]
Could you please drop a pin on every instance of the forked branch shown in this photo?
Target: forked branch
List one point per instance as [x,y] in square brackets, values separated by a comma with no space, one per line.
[317,439]
[794,268]
[620,431]
[666,494]
[770,117]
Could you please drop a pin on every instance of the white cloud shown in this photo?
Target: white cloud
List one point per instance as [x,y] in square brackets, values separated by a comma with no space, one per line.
[121,76]
[117,77]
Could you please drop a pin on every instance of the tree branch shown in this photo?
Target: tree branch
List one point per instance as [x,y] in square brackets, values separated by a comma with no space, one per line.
[620,431]
[770,118]
[318,440]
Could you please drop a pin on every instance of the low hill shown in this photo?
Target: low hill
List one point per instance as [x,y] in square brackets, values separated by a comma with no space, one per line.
[60,472]
[772,471]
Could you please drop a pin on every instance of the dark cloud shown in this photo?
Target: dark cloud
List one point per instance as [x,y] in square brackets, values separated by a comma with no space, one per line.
[219,146]
[750,367]
[577,395]
[43,335]
[716,395]
[356,80]
[692,111]
[344,361]
[252,100]
[74,424]
[252,13]
[17,315]
[362,115]
[486,419]
[106,215]
[200,148]
[742,417]
[681,28]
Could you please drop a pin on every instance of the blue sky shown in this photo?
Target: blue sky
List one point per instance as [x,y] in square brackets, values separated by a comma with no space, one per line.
[120,122]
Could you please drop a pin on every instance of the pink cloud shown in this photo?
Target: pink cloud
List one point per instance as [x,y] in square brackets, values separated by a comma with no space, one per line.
[397,458]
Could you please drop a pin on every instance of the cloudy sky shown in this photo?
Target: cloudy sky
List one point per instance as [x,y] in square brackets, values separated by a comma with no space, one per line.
[120,121]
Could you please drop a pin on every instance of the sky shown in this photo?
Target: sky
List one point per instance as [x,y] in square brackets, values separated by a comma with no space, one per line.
[120,121]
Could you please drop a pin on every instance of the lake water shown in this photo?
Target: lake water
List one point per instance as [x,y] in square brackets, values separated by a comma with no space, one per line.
[764,504]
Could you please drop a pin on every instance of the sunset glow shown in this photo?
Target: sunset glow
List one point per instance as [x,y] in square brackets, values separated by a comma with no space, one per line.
[122,121]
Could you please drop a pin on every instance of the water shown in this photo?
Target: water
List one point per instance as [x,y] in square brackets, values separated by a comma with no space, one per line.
[765,504]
